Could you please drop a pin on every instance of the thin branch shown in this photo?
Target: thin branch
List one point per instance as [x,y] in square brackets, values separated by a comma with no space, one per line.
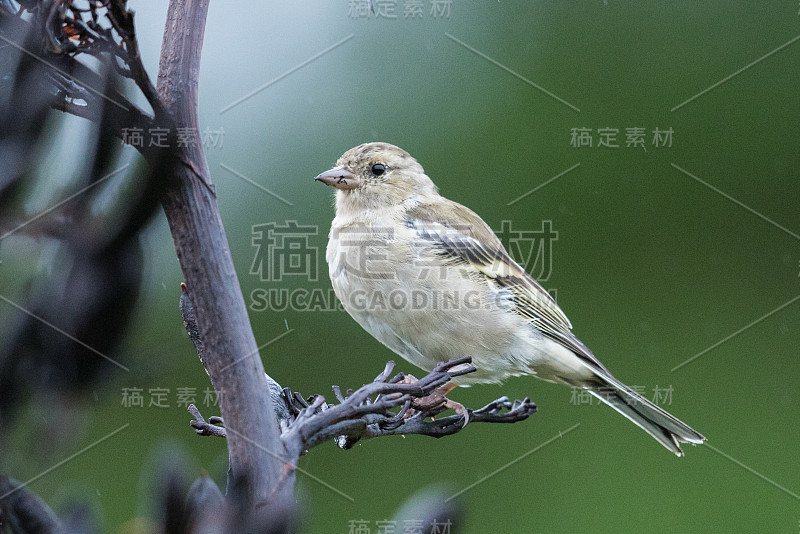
[204,428]
[385,408]
[380,408]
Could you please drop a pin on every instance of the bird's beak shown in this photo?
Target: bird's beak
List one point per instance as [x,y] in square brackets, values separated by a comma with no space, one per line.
[338,177]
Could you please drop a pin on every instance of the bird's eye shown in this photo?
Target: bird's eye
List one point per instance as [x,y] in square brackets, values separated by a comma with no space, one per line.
[378,169]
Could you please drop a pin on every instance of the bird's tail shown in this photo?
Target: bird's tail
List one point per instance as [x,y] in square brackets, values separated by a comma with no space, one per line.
[665,428]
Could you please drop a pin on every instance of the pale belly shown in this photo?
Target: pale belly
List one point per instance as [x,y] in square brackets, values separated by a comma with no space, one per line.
[431,315]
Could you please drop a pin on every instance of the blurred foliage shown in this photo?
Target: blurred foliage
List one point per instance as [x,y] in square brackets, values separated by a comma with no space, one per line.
[61,324]
[651,265]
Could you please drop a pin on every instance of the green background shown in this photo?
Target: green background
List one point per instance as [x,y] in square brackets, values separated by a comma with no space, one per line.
[651,265]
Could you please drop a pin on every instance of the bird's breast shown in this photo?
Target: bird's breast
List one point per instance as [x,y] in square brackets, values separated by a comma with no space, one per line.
[424,308]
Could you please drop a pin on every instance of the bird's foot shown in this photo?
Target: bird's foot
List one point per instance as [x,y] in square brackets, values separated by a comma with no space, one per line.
[459,408]
[438,402]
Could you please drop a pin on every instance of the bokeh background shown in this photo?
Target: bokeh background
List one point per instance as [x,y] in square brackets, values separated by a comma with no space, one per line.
[662,253]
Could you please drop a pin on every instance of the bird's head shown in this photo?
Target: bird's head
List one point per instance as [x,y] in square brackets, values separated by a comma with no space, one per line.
[376,175]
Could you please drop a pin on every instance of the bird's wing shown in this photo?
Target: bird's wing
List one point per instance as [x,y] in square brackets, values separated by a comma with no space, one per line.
[458,233]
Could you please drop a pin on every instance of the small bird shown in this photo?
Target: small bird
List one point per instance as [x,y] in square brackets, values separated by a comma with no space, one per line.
[429,279]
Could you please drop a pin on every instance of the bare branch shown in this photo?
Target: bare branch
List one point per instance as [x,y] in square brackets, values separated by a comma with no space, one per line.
[202,427]
[386,407]
[191,209]
[381,408]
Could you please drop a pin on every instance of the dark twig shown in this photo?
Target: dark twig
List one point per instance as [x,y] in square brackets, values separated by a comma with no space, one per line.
[204,428]
[380,408]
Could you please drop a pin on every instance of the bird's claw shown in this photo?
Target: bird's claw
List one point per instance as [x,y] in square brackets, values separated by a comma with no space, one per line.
[437,402]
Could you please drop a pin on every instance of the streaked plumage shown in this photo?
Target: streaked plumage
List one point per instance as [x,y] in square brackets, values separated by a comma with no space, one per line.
[395,239]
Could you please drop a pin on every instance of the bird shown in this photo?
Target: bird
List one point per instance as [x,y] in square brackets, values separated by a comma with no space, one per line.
[428,278]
